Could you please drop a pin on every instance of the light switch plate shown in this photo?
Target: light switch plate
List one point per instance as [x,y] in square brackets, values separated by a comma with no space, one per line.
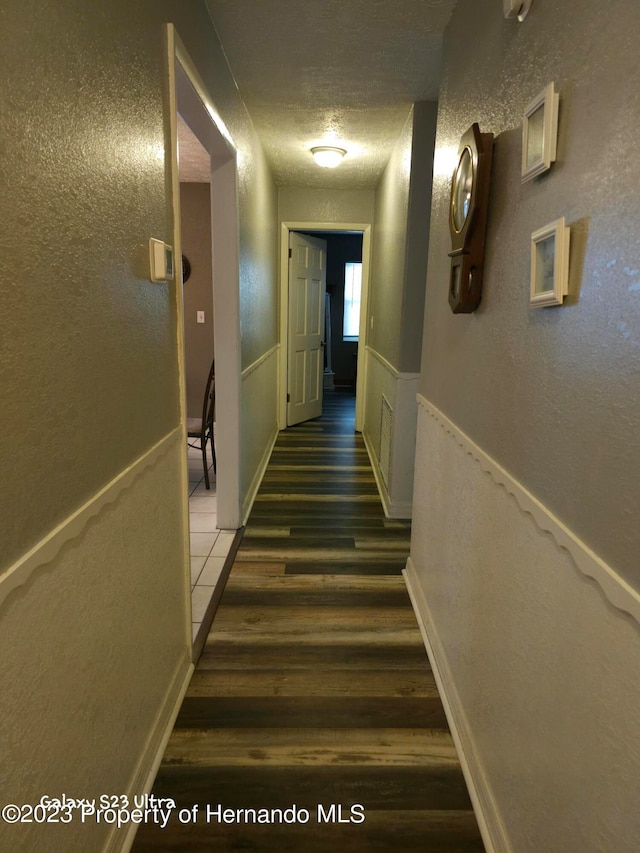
[199,316]
[161,260]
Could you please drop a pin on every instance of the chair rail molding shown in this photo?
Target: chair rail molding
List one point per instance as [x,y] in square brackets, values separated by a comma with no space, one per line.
[73,527]
[617,592]
[260,361]
[385,382]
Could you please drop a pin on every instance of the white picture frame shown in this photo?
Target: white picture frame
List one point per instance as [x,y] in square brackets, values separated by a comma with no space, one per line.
[550,264]
[540,133]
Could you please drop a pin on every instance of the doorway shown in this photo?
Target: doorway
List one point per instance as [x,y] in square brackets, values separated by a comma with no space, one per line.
[192,110]
[324,230]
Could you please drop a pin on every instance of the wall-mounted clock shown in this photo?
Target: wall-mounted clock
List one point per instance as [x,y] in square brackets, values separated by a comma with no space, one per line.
[468,219]
[186,269]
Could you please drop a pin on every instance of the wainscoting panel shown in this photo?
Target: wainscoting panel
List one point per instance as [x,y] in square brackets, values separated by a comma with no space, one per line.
[390,431]
[95,637]
[536,641]
[259,423]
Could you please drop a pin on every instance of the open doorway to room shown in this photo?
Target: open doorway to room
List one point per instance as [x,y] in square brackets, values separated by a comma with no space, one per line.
[347,255]
[204,191]
[342,308]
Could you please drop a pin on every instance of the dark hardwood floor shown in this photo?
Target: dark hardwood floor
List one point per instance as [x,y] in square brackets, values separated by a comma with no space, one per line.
[314,691]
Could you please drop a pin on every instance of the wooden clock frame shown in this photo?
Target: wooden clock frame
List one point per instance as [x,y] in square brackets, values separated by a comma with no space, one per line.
[467,241]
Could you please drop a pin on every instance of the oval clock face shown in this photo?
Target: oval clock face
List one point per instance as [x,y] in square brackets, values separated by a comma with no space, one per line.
[462,188]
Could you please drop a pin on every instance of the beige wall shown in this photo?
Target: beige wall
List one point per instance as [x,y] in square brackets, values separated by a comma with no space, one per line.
[389,250]
[396,307]
[304,205]
[195,225]
[562,382]
[258,257]
[528,462]
[401,242]
[418,221]
[94,621]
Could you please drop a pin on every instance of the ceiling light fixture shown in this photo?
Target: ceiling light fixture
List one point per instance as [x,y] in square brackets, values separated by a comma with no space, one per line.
[327,156]
[516,8]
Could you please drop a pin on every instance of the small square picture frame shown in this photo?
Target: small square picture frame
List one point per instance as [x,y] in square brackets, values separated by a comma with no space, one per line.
[540,133]
[550,264]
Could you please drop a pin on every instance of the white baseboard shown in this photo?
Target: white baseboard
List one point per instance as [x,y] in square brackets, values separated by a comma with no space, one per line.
[121,840]
[491,828]
[257,479]
[400,509]
[377,473]
[392,509]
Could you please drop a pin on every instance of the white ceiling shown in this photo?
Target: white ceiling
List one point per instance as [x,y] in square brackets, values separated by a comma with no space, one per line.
[342,72]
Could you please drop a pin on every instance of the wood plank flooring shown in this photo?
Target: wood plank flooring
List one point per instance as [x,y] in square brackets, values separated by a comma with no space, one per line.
[314,688]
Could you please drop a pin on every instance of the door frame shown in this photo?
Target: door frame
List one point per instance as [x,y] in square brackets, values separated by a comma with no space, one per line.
[198,110]
[365,229]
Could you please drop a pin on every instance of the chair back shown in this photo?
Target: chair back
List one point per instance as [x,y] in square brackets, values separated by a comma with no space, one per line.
[209,403]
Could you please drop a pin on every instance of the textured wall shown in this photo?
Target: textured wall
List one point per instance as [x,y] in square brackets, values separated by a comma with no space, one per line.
[550,393]
[89,383]
[195,225]
[542,669]
[84,670]
[389,250]
[541,665]
[258,202]
[89,349]
[401,241]
[304,205]
[419,215]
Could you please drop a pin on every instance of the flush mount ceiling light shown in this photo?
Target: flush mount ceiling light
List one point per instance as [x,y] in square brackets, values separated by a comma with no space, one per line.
[328,156]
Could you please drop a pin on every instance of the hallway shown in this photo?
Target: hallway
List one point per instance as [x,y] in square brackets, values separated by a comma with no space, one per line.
[314,688]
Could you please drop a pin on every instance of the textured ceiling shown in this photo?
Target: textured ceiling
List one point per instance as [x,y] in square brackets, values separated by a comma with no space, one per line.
[341,72]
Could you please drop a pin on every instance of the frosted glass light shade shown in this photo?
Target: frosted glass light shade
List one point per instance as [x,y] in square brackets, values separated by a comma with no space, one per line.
[327,156]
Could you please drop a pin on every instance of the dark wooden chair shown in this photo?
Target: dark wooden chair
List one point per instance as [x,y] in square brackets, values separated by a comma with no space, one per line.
[202,428]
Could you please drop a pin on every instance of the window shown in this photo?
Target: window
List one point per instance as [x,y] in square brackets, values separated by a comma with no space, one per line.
[352,288]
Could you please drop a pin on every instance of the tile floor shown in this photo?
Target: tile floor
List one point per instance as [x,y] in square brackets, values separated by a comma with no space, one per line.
[209,544]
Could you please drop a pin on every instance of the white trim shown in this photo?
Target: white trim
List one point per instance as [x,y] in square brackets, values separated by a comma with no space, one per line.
[257,479]
[614,588]
[392,509]
[377,473]
[250,392]
[400,509]
[121,840]
[561,234]
[201,111]
[402,377]
[179,303]
[489,823]
[285,227]
[402,454]
[74,525]
[259,362]
[548,99]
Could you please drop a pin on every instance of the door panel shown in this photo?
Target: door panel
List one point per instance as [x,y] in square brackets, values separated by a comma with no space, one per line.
[307,286]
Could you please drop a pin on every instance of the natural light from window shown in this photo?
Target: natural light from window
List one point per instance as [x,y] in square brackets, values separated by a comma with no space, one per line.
[352,288]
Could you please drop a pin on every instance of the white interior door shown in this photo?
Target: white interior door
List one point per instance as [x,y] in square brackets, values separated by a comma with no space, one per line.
[307,286]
